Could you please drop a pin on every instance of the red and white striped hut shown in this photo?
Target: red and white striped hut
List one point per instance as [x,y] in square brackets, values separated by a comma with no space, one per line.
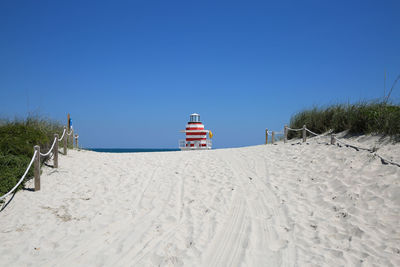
[196,135]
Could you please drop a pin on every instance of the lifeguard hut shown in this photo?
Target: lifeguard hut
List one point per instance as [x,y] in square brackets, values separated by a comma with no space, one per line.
[196,135]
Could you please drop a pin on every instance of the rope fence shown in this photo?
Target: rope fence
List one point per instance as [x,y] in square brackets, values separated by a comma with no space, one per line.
[67,138]
[333,140]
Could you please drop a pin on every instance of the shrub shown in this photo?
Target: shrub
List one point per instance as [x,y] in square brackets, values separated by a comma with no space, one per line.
[359,118]
[17,139]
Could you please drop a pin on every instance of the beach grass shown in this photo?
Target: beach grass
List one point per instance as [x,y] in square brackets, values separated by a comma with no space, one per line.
[365,117]
[17,139]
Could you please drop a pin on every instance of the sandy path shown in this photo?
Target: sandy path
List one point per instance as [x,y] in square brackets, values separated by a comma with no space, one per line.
[282,205]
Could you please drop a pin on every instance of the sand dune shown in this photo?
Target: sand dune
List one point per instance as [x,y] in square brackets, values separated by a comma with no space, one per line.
[276,205]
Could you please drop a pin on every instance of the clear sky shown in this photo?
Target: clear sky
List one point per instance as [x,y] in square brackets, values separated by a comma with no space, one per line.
[131,72]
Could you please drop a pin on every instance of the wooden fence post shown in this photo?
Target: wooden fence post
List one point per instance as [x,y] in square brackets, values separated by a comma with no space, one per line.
[68,140]
[76,140]
[304,134]
[266,136]
[333,140]
[55,152]
[72,138]
[273,137]
[65,141]
[285,132]
[69,121]
[37,168]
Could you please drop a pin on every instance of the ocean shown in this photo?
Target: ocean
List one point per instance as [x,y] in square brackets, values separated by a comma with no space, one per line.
[132,150]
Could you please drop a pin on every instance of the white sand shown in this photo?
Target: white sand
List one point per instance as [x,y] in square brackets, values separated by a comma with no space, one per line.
[275,205]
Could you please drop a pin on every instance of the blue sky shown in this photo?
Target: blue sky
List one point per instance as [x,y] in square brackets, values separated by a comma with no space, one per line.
[131,72]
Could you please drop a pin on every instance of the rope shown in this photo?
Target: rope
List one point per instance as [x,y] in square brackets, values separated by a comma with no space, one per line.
[22,178]
[51,149]
[319,135]
[384,160]
[294,129]
[311,132]
[353,146]
[60,139]
[270,132]
[70,132]
[387,160]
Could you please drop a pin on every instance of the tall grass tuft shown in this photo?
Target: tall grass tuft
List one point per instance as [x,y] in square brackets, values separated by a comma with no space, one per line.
[17,139]
[378,117]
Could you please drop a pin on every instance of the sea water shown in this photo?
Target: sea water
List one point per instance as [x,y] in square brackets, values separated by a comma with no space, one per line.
[131,150]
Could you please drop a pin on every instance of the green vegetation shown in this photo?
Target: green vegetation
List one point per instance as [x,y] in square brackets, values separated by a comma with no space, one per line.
[17,139]
[377,117]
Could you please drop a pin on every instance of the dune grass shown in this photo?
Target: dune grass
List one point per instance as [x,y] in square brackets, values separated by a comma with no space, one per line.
[17,139]
[376,117]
